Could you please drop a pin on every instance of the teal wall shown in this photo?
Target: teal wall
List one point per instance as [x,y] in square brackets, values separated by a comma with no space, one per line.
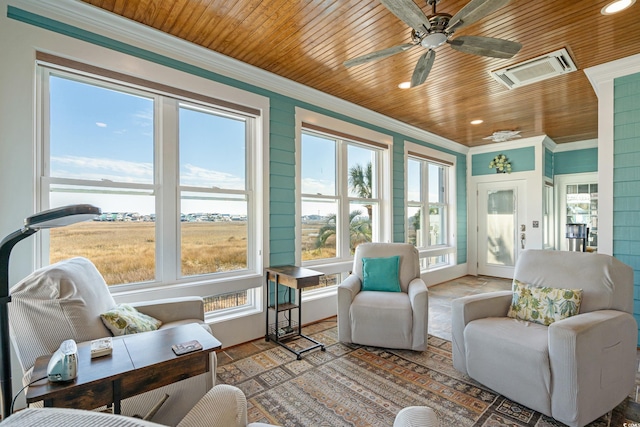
[521,159]
[548,163]
[282,145]
[576,161]
[626,178]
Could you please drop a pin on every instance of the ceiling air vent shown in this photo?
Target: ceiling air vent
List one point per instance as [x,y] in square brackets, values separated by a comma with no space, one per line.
[536,69]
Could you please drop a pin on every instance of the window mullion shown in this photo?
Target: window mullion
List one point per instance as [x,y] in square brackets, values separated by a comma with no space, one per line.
[166,181]
[342,227]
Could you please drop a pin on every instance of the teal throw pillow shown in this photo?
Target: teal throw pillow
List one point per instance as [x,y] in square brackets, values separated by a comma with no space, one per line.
[381,274]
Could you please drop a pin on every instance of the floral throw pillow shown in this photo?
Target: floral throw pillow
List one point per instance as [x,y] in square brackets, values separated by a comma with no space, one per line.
[543,305]
[124,319]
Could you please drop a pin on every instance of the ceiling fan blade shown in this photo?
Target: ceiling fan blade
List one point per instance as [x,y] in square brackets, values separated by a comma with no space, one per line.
[474,11]
[423,67]
[485,46]
[409,13]
[379,54]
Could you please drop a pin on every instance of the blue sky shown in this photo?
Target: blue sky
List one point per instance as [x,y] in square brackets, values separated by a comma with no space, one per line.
[106,135]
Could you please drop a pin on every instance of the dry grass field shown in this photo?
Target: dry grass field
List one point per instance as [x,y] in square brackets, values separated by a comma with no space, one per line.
[124,252]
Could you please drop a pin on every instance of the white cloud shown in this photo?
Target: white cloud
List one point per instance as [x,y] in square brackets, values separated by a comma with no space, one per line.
[101,125]
[99,169]
[202,177]
[318,186]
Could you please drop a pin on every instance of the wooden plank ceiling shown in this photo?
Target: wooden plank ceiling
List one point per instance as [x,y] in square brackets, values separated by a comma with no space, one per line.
[307,41]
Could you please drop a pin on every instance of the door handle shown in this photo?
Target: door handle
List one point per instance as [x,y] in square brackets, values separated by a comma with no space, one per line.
[522,240]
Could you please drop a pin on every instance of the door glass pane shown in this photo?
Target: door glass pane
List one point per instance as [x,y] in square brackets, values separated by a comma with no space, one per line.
[500,227]
[582,208]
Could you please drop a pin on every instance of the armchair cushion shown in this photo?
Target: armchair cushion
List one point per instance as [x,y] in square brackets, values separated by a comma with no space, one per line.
[124,319]
[381,274]
[543,305]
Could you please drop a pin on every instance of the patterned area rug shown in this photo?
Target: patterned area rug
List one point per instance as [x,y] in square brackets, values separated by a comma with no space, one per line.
[367,386]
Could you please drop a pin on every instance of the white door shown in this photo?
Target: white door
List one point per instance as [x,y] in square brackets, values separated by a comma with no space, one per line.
[501,226]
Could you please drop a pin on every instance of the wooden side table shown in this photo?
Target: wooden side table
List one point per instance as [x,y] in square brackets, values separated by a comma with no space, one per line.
[294,278]
[139,363]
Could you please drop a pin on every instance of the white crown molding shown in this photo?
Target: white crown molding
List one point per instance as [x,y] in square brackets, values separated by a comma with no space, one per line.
[611,70]
[578,145]
[508,145]
[96,20]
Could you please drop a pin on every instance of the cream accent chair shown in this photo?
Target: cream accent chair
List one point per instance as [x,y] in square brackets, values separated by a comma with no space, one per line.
[575,370]
[64,301]
[385,319]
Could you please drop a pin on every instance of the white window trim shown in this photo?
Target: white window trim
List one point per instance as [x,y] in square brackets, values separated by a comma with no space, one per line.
[248,280]
[451,247]
[385,194]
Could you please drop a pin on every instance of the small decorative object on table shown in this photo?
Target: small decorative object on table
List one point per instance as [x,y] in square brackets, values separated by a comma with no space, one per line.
[501,163]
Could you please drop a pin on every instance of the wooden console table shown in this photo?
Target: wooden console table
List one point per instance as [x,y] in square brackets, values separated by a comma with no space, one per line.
[138,363]
[294,278]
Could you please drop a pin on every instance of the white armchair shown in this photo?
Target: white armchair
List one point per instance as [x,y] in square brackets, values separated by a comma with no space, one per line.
[385,319]
[64,301]
[574,370]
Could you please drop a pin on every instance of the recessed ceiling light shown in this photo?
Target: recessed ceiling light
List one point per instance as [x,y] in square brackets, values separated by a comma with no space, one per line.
[404,85]
[476,122]
[616,6]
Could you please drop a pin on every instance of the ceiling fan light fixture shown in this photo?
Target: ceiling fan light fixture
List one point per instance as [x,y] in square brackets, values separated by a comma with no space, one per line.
[616,6]
[404,85]
[431,41]
[503,135]
[476,121]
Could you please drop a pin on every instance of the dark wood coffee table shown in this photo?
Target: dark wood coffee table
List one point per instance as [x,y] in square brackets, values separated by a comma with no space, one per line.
[139,363]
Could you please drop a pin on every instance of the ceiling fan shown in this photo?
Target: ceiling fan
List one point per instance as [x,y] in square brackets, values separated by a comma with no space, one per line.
[434,30]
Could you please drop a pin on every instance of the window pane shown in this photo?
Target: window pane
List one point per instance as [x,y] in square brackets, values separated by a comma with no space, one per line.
[212,150]
[225,301]
[99,134]
[213,233]
[318,165]
[318,229]
[120,242]
[414,181]
[415,234]
[437,225]
[360,227]
[436,183]
[361,164]
[326,281]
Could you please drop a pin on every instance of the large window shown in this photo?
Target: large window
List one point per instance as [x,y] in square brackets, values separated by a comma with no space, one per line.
[175,179]
[344,196]
[428,210]
[340,201]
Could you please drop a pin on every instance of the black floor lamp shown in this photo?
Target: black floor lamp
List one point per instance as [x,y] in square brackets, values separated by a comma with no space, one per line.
[58,217]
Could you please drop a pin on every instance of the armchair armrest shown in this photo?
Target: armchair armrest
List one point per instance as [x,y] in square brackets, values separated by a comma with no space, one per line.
[223,406]
[591,351]
[347,291]
[419,298]
[173,309]
[469,308]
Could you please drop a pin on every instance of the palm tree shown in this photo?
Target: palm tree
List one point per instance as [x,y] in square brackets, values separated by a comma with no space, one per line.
[359,230]
[360,182]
